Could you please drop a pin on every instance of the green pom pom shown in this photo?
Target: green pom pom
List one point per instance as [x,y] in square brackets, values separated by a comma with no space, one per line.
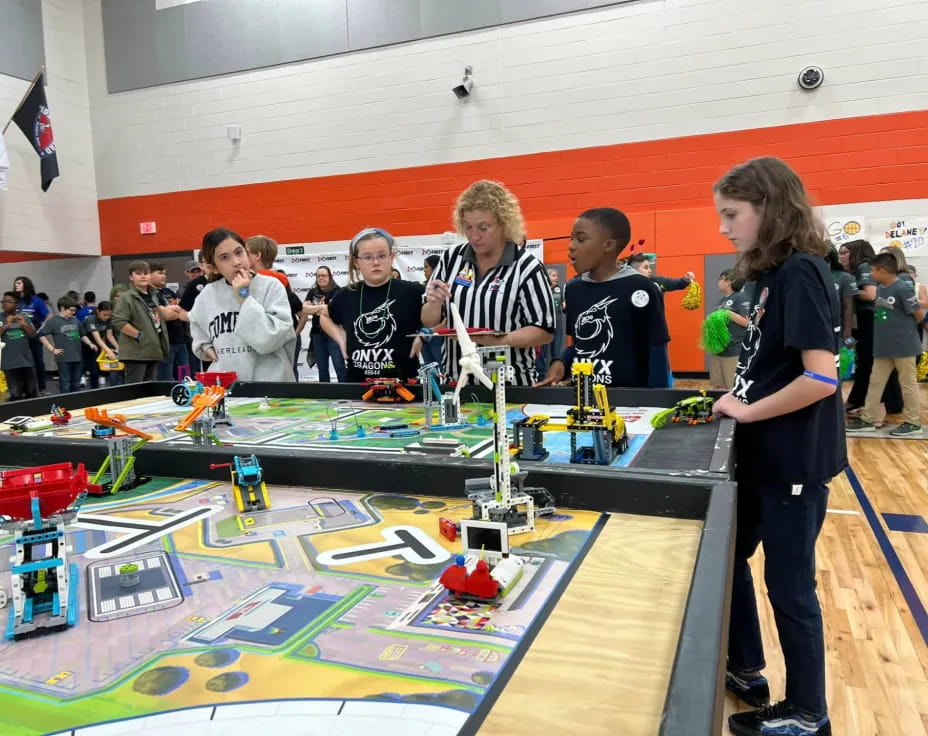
[715,334]
[846,366]
[660,419]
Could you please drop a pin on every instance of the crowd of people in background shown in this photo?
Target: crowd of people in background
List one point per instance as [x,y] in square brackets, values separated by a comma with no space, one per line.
[362,329]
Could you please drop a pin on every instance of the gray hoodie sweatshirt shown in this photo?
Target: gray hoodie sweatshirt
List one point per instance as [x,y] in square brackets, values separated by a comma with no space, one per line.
[254,338]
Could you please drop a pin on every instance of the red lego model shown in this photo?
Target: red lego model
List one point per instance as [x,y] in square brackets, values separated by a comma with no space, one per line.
[217,378]
[386,391]
[477,584]
[60,415]
[448,529]
[56,487]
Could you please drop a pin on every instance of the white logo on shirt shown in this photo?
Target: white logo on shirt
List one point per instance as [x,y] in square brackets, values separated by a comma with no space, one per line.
[641,298]
[375,328]
[749,347]
[590,323]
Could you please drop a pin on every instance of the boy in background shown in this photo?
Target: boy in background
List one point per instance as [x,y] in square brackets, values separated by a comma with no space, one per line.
[16,359]
[139,322]
[66,335]
[99,326]
[169,369]
[614,313]
[895,345]
[738,305]
[643,264]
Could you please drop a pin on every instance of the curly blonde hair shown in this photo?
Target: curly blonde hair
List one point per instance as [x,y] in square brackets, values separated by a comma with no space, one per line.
[492,197]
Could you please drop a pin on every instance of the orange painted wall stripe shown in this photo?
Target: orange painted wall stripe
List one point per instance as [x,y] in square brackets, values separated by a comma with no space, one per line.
[845,160]
[14,256]
[664,185]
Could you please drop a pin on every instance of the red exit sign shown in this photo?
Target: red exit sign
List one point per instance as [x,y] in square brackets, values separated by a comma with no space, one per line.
[147,228]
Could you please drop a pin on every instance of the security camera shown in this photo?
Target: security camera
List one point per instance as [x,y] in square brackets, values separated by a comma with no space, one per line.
[462,91]
[811,77]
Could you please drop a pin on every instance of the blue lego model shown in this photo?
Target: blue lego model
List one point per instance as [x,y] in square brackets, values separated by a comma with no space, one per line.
[248,469]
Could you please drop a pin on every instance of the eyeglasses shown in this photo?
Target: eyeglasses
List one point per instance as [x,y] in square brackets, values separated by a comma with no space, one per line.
[375,257]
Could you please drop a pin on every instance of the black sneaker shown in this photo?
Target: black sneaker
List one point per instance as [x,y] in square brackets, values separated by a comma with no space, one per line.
[906,429]
[859,425]
[781,719]
[754,691]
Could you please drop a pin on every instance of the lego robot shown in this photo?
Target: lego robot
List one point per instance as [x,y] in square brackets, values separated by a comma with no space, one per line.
[248,486]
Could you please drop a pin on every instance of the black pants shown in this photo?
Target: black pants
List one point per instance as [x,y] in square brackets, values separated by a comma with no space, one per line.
[91,366]
[21,383]
[140,370]
[38,357]
[787,523]
[863,366]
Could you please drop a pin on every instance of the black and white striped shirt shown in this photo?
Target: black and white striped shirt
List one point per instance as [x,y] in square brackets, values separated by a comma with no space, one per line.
[513,294]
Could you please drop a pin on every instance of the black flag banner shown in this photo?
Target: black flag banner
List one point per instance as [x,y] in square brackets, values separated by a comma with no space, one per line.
[33,120]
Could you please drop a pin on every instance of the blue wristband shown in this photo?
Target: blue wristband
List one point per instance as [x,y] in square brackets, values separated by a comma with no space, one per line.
[820,377]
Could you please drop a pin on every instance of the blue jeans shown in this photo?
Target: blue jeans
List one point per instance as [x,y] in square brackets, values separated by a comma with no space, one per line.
[115,378]
[178,356]
[325,347]
[787,525]
[69,376]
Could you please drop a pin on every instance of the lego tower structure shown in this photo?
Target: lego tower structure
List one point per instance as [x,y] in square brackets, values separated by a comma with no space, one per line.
[35,504]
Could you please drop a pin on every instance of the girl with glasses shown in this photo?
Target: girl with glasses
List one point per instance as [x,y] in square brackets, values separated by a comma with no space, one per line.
[372,319]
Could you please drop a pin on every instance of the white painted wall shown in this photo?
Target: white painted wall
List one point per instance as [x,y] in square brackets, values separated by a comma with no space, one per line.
[59,276]
[63,219]
[643,70]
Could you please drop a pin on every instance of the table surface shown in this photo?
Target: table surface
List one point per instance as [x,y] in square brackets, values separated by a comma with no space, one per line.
[321,422]
[250,611]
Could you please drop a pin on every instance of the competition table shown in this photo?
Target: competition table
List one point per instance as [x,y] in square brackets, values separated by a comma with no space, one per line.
[628,637]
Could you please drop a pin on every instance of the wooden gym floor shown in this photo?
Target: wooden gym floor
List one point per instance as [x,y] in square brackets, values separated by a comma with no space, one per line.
[873,584]
[601,664]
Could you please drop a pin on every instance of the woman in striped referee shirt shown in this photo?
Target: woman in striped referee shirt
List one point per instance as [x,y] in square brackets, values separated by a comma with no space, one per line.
[495,283]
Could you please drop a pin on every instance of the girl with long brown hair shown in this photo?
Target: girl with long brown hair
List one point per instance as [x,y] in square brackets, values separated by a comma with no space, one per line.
[789,440]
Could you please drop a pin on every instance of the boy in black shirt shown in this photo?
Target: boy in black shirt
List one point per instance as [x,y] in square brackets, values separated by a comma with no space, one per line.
[16,360]
[99,326]
[789,440]
[614,314]
[372,319]
[177,362]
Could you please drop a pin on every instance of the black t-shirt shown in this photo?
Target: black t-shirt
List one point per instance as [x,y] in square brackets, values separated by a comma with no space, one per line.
[296,306]
[377,338]
[192,291]
[794,308]
[176,332]
[318,296]
[153,300]
[615,324]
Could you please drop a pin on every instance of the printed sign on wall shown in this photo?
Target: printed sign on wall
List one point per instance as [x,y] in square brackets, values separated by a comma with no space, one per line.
[910,234]
[844,229]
